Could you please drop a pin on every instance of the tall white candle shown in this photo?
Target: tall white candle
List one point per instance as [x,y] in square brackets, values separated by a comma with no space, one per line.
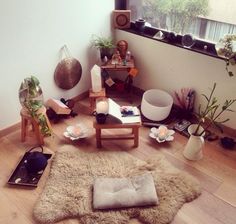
[96,79]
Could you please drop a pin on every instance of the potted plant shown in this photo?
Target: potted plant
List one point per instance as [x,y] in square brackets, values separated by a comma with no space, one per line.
[226,47]
[206,117]
[104,44]
[31,98]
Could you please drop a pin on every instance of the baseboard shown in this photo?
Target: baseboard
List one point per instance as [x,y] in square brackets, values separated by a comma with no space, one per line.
[9,129]
[137,91]
[81,96]
[229,131]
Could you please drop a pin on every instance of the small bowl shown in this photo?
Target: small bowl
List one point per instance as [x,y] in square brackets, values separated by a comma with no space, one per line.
[101,118]
[227,143]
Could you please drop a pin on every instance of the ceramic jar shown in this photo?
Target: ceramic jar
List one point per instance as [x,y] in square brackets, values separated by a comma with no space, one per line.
[195,144]
[140,24]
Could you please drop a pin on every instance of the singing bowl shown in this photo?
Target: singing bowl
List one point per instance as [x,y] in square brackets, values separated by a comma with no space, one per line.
[156,104]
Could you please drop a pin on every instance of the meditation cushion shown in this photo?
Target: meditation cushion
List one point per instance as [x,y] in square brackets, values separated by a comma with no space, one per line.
[124,192]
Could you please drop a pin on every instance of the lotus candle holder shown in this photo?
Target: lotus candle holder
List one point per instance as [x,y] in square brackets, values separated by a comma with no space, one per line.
[162,134]
[77,131]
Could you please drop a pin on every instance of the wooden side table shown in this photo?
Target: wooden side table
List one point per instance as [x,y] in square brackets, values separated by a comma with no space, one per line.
[133,136]
[123,68]
[93,96]
[118,67]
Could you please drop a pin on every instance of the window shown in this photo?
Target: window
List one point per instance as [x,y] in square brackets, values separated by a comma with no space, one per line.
[208,20]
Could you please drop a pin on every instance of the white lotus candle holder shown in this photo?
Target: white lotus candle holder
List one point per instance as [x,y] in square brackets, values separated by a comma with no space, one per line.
[77,131]
[162,134]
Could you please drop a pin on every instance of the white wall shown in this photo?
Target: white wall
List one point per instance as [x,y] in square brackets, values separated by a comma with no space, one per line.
[170,68]
[222,10]
[32,33]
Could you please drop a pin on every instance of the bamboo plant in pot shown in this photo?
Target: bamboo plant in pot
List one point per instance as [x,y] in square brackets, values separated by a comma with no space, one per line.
[104,44]
[31,99]
[207,117]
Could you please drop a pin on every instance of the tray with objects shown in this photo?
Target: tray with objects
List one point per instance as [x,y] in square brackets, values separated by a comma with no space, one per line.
[21,177]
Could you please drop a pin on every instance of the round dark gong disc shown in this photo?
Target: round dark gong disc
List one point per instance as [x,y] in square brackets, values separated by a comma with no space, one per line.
[68,73]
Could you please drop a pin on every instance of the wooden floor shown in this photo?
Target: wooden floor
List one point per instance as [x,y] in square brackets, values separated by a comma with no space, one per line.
[216,173]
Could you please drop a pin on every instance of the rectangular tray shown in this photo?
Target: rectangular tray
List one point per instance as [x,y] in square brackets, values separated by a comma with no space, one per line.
[26,179]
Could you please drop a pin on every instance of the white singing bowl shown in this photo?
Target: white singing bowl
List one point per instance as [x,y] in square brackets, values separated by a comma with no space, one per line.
[156,104]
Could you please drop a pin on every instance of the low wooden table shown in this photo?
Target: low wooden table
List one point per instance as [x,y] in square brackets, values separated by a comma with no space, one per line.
[133,136]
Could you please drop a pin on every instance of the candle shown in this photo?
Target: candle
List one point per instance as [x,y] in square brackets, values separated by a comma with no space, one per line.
[162,132]
[102,106]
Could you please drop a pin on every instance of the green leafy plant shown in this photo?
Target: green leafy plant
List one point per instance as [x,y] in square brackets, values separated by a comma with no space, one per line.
[212,112]
[174,15]
[225,47]
[30,95]
[102,42]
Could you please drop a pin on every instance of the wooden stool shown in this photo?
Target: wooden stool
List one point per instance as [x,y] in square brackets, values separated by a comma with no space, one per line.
[26,120]
[133,136]
[93,96]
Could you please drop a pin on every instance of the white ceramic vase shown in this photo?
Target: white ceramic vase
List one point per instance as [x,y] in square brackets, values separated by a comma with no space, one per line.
[195,144]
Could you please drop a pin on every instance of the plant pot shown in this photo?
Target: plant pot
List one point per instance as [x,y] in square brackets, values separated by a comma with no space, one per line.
[195,144]
[108,52]
[140,24]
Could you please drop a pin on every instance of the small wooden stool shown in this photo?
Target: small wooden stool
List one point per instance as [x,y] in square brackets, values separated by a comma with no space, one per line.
[93,96]
[133,136]
[27,119]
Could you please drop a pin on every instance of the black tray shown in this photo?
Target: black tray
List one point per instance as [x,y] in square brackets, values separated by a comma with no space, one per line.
[26,178]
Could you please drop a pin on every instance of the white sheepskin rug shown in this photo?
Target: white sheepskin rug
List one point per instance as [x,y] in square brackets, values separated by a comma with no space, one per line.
[69,188]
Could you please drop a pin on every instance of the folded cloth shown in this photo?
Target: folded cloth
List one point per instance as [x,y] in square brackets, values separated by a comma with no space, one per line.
[124,192]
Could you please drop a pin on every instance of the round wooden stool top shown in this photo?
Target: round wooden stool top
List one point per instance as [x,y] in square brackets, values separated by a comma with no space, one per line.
[25,113]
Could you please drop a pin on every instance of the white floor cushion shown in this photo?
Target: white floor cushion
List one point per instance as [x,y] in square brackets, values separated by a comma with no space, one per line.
[124,192]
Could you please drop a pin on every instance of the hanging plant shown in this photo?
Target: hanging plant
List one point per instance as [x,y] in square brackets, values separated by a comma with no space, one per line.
[226,47]
[31,98]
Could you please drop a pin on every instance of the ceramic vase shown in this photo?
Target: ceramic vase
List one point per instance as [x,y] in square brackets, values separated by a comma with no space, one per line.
[140,24]
[195,144]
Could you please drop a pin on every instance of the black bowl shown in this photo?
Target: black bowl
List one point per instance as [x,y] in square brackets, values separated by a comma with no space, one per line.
[227,142]
[101,118]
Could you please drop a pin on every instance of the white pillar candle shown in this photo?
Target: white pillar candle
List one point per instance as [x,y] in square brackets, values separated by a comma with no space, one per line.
[96,79]
[102,106]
